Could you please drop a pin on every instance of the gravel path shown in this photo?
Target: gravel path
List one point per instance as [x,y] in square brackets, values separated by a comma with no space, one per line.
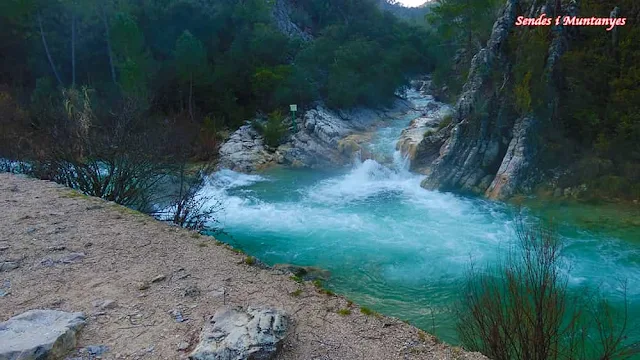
[75,253]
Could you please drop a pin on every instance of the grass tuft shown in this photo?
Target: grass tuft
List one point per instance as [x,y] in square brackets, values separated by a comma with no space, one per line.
[365,310]
[344,312]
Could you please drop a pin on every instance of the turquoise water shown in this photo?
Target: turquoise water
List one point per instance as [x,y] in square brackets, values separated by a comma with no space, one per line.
[395,247]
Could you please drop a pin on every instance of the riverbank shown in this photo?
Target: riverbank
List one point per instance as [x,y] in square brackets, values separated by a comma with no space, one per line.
[118,253]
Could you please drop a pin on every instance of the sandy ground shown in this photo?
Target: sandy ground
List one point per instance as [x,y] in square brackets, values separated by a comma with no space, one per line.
[48,228]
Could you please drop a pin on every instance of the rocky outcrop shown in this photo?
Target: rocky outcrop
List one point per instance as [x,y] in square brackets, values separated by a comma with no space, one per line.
[244,151]
[324,138]
[39,334]
[282,20]
[234,334]
[488,149]
[426,125]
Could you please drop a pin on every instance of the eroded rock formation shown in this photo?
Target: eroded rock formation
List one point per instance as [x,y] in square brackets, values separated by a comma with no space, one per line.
[488,148]
[324,138]
[235,334]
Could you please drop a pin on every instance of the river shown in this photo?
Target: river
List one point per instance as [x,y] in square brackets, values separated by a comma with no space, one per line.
[402,250]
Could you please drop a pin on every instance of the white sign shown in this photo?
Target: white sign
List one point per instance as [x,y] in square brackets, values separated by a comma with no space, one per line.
[294,107]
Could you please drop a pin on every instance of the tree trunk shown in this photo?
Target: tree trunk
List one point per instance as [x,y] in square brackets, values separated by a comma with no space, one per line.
[191,96]
[109,51]
[73,50]
[46,50]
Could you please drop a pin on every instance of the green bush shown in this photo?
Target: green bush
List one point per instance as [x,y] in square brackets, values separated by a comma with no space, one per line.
[273,130]
[446,121]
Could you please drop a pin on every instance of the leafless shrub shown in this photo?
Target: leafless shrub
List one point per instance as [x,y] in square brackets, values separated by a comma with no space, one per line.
[523,310]
[188,206]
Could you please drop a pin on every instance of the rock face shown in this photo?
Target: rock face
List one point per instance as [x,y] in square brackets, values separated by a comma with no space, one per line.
[319,141]
[426,125]
[280,14]
[233,334]
[244,151]
[39,335]
[487,149]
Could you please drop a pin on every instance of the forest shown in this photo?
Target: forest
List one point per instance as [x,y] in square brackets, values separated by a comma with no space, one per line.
[195,70]
[201,67]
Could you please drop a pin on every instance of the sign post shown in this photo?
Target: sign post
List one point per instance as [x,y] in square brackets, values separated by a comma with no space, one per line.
[294,108]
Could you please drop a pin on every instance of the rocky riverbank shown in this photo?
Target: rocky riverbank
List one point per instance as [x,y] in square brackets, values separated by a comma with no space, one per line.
[324,138]
[146,290]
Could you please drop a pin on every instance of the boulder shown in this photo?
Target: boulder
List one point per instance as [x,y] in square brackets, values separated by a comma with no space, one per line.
[235,334]
[39,334]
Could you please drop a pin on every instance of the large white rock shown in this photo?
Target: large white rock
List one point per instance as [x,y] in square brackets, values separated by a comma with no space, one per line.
[234,334]
[39,335]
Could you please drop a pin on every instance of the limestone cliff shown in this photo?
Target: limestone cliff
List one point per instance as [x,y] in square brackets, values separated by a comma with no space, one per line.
[489,148]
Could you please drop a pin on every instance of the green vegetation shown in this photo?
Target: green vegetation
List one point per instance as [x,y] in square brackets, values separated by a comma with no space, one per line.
[600,111]
[273,130]
[297,279]
[446,121]
[422,336]
[296,293]
[250,260]
[192,67]
[344,312]
[596,116]
[462,28]
[321,289]
[367,311]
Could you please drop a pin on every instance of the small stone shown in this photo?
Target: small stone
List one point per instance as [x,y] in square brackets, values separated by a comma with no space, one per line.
[158,278]
[72,258]
[4,247]
[177,315]
[4,293]
[8,266]
[96,350]
[105,304]
[88,244]
[183,346]
[57,248]
[31,230]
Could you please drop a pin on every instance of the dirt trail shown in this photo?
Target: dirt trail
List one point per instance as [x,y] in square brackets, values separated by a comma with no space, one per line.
[75,252]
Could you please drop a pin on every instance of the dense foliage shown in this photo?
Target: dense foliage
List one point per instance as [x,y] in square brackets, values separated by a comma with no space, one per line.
[600,108]
[225,60]
[594,130]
